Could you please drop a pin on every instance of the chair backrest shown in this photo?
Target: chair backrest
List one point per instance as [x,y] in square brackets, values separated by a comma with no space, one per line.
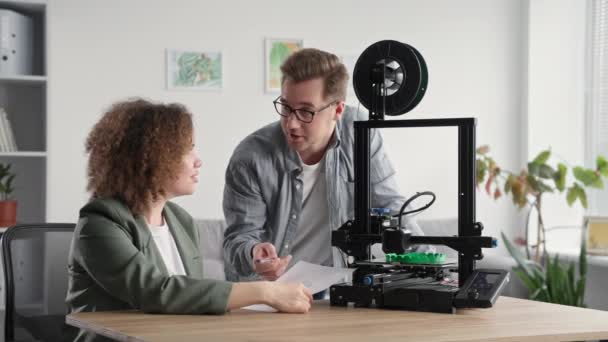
[212,235]
[35,260]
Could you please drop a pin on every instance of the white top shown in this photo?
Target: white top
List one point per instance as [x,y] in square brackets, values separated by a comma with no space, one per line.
[168,249]
[310,177]
[312,242]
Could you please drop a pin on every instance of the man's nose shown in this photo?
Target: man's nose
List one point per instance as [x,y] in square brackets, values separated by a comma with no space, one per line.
[292,120]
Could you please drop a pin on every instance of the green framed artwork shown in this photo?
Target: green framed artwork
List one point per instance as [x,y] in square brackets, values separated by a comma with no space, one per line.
[276,52]
[194,70]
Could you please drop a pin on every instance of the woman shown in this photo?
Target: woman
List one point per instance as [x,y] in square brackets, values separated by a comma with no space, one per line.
[132,248]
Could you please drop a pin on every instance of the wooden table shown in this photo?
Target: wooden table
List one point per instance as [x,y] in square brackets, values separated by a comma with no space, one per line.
[510,319]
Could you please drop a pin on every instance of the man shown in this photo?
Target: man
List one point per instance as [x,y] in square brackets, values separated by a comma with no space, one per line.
[290,183]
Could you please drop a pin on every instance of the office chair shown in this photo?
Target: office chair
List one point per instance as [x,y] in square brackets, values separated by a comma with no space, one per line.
[35,267]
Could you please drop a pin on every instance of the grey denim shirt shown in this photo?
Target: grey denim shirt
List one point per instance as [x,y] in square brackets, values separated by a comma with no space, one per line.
[263,191]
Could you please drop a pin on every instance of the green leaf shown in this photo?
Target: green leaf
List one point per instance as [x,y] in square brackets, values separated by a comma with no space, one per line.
[571,195]
[533,168]
[580,292]
[585,176]
[544,187]
[9,184]
[542,157]
[583,198]
[6,181]
[551,285]
[532,182]
[535,294]
[538,185]
[602,165]
[556,281]
[582,270]
[582,259]
[560,177]
[546,171]
[525,278]
[576,192]
[570,285]
[598,183]
[517,255]
[533,282]
[482,168]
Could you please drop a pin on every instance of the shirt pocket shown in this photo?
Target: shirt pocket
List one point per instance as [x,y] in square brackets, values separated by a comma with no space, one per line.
[347,193]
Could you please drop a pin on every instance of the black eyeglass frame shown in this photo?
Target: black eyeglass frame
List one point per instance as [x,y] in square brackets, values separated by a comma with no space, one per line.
[298,111]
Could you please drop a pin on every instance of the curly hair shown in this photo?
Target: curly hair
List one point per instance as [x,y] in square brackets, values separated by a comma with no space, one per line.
[135,149]
[309,63]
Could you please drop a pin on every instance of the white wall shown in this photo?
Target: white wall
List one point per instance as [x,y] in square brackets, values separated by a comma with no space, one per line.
[556,105]
[104,51]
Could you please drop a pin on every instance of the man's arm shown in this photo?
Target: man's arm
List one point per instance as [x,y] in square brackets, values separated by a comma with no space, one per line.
[245,213]
[383,178]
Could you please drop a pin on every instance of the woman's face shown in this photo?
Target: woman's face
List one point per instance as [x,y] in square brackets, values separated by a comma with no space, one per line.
[187,175]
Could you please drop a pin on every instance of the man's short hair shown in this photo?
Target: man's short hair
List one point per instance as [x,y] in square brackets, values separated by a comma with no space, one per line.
[309,63]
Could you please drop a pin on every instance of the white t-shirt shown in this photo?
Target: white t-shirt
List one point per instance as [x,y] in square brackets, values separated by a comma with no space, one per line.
[312,241]
[168,249]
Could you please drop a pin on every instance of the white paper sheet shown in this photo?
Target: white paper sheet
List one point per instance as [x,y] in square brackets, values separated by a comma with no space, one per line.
[316,277]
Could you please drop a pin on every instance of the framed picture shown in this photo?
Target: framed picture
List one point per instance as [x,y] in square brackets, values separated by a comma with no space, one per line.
[276,52]
[194,70]
[596,234]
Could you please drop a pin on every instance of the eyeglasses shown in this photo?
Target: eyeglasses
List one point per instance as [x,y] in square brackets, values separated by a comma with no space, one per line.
[302,114]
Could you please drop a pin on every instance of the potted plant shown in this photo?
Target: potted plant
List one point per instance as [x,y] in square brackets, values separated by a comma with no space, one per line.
[547,279]
[8,206]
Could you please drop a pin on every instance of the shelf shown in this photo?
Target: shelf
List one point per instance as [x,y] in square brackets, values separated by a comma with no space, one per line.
[32,6]
[23,96]
[23,154]
[23,79]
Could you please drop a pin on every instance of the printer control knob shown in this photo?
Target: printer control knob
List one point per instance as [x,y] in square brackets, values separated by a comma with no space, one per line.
[473,294]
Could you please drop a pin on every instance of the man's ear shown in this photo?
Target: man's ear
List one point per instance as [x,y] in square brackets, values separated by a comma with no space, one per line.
[340,107]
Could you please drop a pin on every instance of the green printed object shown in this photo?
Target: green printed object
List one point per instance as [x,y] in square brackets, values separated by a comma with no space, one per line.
[416,258]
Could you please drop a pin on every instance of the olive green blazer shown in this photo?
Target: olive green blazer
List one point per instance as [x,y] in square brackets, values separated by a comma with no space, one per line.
[114,264]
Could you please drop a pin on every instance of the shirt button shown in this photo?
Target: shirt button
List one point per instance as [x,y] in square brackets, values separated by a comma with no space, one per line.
[293,216]
[297,186]
[286,246]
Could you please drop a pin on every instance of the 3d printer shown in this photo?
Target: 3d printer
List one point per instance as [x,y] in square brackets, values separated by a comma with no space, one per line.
[390,78]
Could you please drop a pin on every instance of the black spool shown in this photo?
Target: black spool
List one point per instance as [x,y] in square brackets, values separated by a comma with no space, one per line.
[405,77]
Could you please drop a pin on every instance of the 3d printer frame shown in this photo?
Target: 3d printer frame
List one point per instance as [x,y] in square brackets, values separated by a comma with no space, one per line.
[390,78]
[399,286]
[469,241]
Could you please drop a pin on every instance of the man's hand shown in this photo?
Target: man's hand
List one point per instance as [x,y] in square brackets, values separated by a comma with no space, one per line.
[266,261]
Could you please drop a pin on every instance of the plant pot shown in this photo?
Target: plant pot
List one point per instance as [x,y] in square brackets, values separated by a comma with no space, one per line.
[8,213]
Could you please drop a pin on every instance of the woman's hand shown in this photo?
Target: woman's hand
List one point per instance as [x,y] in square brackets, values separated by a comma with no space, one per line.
[285,297]
[288,297]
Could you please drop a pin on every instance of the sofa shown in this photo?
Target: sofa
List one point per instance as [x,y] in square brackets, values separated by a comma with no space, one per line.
[212,234]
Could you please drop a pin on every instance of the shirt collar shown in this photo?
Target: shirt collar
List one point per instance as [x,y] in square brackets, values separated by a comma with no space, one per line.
[292,159]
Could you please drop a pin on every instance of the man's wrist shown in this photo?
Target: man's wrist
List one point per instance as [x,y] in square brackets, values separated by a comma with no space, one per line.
[249,255]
